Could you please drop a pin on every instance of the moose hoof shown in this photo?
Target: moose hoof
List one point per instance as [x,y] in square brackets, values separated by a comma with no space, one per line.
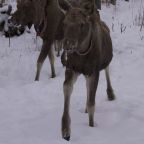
[67,138]
[36,79]
[111,95]
[53,76]
[66,135]
[91,124]
[111,98]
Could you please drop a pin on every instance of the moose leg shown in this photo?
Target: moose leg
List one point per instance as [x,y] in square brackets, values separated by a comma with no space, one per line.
[43,54]
[70,78]
[87,86]
[60,44]
[64,58]
[86,104]
[41,58]
[110,93]
[58,47]
[51,60]
[92,83]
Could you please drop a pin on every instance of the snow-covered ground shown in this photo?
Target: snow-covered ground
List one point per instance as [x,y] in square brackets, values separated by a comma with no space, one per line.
[30,112]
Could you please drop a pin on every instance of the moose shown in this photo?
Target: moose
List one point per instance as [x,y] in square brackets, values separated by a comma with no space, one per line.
[47,17]
[88,45]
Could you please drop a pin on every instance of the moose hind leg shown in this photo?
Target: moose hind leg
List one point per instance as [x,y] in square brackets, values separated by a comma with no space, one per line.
[51,60]
[92,83]
[41,59]
[70,78]
[110,92]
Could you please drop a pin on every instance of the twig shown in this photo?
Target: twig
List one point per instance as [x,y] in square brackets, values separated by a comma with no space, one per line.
[142,24]
[123,28]
[9,40]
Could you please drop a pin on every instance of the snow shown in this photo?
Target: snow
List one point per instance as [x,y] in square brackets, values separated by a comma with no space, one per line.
[30,112]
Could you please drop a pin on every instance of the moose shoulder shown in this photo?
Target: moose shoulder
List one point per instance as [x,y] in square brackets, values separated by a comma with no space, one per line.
[88,44]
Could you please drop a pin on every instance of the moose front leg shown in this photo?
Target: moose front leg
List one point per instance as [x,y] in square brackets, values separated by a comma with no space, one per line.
[110,92]
[70,78]
[91,83]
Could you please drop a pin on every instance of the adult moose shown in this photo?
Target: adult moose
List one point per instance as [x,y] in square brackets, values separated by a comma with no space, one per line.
[88,44]
[47,17]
